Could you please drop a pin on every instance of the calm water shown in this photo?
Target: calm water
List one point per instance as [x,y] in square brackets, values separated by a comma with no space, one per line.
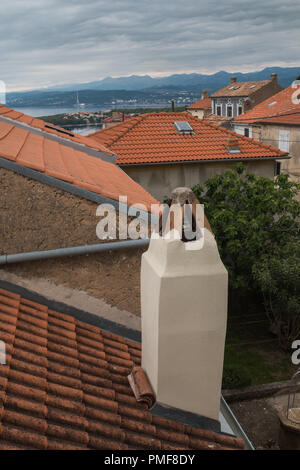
[50,111]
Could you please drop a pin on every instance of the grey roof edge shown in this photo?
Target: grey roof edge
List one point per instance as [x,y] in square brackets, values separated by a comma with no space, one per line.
[185,417]
[222,160]
[259,121]
[62,140]
[78,314]
[234,424]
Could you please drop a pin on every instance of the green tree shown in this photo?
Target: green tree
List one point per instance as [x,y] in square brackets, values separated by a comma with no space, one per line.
[256,224]
[278,277]
[251,217]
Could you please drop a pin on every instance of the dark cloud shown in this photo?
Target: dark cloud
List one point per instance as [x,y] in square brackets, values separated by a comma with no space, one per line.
[46,42]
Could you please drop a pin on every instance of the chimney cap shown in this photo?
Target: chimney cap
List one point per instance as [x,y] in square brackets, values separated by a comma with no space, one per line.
[233,79]
[179,197]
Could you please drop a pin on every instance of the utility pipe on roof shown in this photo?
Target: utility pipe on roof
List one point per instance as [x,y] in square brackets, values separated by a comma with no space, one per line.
[73,251]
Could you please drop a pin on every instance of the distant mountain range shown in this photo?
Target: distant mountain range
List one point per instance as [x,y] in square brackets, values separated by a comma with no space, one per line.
[183,81]
[183,88]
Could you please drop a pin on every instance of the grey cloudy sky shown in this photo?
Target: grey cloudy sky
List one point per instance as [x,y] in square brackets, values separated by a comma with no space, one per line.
[48,42]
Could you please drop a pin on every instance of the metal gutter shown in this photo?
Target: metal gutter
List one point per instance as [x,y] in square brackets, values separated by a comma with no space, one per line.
[266,123]
[73,251]
[234,424]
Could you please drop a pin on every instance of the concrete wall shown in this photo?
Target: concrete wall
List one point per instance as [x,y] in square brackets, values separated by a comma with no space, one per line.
[34,217]
[240,129]
[270,135]
[160,180]
[199,113]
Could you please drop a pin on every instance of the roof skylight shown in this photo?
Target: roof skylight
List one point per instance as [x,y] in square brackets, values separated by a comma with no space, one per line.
[272,104]
[183,127]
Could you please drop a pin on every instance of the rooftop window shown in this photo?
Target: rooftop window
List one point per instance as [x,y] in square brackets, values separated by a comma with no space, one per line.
[183,127]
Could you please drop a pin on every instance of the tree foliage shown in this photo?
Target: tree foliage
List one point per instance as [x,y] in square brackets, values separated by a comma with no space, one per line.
[278,276]
[256,222]
[251,217]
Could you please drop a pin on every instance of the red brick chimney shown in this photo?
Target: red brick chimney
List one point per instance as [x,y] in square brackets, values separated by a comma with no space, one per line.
[204,95]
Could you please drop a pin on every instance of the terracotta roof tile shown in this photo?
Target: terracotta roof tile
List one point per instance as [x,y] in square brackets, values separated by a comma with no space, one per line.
[240,88]
[52,396]
[278,108]
[153,138]
[42,125]
[204,103]
[55,159]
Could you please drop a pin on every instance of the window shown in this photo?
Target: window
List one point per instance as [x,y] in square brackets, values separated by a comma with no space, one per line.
[284,141]
[246,132]
[229,111]
[219,110]
[240,109]
[183,127]
[277,168]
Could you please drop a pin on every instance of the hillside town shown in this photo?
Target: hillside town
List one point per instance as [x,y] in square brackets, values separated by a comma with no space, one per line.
[149,273]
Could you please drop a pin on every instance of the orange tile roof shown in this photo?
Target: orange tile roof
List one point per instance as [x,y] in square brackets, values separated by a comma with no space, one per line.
[65,163]
[240,88]
[40,124]
[65,387]
[278,108]
[152,138]
[201,104]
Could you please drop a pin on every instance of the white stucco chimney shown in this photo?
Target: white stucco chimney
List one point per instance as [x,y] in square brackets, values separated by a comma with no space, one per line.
[184,313]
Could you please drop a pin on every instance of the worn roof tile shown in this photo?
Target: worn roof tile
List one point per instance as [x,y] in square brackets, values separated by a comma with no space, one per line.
[53,396]
[278,109]
[61,161]
[152,138]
